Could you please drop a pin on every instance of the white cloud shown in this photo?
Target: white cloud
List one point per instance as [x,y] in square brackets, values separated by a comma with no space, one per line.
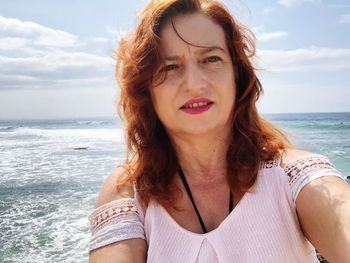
[40,35]
[344,19]
[55,69]
[292,3]
[266,36]
[12,43]
[33,56]
[271,35]
[36,56]
[305,59]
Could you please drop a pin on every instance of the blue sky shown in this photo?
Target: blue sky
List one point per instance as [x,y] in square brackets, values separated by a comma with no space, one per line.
[56,57]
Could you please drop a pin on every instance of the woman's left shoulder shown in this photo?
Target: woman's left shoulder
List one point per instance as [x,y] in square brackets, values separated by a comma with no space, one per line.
[291,156]
[302,167]
[294,161]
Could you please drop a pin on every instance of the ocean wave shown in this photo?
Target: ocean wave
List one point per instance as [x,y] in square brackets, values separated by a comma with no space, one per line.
[88,123]
[339,152]
[318,125]
[114,134]
[7,129]
[46,228]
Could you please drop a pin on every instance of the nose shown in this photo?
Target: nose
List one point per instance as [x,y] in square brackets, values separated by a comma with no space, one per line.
[193,79]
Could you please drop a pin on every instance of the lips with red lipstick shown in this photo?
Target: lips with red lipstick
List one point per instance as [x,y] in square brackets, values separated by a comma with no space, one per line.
[197,106]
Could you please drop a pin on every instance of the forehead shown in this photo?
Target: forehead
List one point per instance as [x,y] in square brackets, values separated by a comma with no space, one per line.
[196,29]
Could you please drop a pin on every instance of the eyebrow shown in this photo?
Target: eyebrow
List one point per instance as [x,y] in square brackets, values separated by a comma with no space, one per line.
[201,51]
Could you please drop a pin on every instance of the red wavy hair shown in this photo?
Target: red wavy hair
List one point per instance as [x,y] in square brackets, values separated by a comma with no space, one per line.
[151,158]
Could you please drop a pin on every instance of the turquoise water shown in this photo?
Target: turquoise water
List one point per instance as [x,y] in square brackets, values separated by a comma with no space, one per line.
[51,172]
[324,133]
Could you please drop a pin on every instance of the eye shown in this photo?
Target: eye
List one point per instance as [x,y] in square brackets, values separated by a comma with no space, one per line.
[212,59]
[169,67]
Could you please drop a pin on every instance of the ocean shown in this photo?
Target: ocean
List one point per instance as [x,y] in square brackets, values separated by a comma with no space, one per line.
[51,172]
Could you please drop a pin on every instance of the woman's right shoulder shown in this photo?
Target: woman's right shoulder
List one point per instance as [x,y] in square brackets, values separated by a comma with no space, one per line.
[117,223]
[110,192]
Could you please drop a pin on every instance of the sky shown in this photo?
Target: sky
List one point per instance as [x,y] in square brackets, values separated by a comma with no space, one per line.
[56,57]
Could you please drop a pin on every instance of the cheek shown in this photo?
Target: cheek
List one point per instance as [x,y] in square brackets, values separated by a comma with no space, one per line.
[227,82]
[160,101]
[229,92]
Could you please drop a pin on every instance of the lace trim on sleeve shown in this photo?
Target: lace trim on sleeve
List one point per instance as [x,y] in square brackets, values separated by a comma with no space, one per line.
[110,212]
[304,165]
[308,168]
[115,221]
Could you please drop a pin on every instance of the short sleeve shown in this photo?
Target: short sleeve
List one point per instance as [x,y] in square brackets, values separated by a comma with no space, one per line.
[115,221]
[304,170]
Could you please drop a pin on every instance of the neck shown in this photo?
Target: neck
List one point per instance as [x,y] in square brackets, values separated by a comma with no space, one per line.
[203,158]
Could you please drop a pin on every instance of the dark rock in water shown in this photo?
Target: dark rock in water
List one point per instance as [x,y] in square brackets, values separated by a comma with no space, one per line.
[80,148]
[7,129]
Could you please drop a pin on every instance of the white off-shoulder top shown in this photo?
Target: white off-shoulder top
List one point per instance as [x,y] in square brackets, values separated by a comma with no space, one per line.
[263,226]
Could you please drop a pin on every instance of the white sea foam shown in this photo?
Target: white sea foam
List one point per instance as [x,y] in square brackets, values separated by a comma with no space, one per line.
[51,229]
[91,122]
[115,134]
[339,152]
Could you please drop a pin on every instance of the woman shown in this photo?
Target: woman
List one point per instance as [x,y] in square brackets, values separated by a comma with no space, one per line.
[207,179]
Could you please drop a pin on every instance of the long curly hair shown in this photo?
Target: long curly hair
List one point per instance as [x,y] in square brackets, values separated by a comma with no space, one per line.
[151,159]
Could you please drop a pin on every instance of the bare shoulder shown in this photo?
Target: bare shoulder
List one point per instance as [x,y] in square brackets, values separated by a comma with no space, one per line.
[290,155]
[125,250]
[109,191]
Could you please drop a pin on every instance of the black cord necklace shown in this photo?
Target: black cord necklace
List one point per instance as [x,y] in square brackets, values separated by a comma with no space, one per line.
[188,190]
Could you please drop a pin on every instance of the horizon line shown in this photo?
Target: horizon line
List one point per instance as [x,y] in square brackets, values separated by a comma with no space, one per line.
[117,117]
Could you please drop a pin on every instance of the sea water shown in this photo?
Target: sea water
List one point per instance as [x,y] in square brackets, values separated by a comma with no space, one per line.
[51,172]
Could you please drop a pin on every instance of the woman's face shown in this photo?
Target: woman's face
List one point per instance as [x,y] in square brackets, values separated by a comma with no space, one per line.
[198,94]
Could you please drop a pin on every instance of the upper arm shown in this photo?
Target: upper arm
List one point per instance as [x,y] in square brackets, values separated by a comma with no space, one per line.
[130,250]
[323,206]
[127,251]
